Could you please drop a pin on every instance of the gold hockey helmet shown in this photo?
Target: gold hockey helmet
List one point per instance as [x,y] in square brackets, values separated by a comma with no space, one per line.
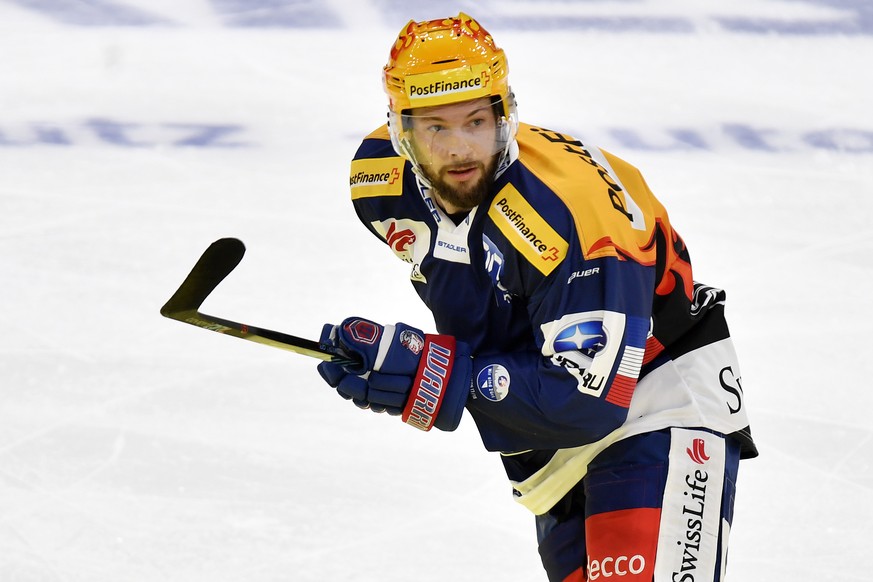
[444,61]
[441,62]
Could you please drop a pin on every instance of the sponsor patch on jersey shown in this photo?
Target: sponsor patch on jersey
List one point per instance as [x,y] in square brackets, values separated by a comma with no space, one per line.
[620,546]
[688,546]
[376,177]
[451,245]
[594,345]
[408,239]
[449,86]
[588,337]
[493,382]
[587,345]
[527,231]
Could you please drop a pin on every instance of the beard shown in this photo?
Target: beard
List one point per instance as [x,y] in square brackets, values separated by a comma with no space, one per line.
[464,196]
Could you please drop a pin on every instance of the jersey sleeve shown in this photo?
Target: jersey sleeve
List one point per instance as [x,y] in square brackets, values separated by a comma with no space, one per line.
[376,180]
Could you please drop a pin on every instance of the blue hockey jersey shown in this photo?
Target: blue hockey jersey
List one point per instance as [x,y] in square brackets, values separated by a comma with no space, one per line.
[576,297]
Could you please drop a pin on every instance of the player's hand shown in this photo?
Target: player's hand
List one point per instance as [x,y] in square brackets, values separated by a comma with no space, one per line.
[425,378]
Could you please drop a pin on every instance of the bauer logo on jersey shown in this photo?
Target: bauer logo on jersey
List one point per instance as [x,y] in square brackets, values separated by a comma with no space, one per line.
[527,231]
[493,382]
[376,177]
[460,84]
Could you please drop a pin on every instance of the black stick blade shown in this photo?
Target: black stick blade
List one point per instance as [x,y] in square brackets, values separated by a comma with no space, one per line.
[214,265]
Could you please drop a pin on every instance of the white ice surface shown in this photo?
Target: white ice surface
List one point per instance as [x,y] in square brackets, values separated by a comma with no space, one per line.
[135,448]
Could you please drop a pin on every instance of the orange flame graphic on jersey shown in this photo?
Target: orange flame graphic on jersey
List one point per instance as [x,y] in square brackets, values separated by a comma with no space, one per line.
[676,264]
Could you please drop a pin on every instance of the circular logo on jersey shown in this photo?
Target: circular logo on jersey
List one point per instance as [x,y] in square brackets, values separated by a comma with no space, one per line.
[493,382]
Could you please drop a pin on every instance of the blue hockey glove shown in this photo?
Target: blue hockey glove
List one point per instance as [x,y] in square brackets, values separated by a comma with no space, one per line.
[424,378]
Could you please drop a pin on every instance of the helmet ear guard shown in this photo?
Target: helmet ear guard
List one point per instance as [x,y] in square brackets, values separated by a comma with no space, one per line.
[400,139]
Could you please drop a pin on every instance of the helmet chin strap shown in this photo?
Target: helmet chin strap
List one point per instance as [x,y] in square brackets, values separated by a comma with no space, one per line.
[507,156]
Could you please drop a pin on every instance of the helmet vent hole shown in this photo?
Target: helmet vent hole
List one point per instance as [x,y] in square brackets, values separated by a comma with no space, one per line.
[445,61]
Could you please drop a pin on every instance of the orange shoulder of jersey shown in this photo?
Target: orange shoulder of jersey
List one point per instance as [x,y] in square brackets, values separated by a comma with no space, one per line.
[614,211]
[371,177]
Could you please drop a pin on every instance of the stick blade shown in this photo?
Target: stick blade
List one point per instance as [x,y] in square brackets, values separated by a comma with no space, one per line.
[214,265]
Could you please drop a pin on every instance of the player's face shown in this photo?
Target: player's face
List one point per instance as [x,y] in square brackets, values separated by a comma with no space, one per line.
[455,147]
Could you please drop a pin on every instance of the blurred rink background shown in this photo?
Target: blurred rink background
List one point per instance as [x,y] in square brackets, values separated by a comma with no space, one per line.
[134,133]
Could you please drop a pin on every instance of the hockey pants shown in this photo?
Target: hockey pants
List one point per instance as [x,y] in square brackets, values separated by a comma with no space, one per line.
[653,507]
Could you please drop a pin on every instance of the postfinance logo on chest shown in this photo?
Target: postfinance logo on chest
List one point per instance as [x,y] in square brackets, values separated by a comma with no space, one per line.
[528,232]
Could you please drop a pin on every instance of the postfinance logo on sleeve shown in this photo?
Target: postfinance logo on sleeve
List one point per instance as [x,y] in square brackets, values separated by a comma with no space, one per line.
[528,232]
[376,177]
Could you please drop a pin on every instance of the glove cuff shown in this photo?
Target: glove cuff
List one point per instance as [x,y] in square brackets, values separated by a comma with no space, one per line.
[436,384]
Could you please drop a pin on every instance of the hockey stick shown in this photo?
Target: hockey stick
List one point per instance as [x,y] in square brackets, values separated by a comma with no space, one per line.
[214,265]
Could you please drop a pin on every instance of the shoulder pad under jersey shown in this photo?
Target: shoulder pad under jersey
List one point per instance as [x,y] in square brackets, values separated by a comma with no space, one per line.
[611,205]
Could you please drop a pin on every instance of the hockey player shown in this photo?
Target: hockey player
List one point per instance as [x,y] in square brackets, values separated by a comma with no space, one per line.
[570,327]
